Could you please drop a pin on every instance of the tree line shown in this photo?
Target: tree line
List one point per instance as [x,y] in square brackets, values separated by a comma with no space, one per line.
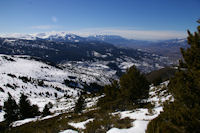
[23,110]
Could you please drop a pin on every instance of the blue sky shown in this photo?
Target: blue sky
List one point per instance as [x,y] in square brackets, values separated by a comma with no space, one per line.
[140,19]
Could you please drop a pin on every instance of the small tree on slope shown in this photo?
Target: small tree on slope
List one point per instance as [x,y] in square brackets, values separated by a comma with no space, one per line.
[26,110]
[80,104]
[133,86]
[46,110]
[11,109]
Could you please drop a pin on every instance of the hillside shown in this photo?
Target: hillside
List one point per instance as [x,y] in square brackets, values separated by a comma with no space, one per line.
[158,76]
[132,120]
[44,83]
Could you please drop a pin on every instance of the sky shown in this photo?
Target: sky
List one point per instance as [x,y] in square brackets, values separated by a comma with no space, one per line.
[136,19]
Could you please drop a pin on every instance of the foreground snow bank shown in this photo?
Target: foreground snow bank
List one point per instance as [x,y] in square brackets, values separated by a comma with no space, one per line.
[68,131]
[21,122]
[2,113]
[139,126]
[80,125]
[142,116]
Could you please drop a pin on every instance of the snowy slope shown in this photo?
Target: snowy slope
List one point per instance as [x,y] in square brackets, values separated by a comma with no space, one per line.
[90,72]
[43,83]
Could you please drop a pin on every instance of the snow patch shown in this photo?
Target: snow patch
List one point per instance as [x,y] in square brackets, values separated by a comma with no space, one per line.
[139,126]
[80,125]
[68,131]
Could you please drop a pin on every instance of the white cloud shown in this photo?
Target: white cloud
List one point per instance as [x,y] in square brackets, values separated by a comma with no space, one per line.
[54,19]
[44,27]
[133,34]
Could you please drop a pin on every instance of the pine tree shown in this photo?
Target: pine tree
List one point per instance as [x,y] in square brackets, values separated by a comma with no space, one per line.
[111,100]
[133,86]
[35,110]
[11,109]
[26,109]
[46,110]
[80,104]
[183,115]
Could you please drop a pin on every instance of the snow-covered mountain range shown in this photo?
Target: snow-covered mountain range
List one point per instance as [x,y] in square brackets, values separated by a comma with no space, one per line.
[169,48]
[53,36]
[113,39]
